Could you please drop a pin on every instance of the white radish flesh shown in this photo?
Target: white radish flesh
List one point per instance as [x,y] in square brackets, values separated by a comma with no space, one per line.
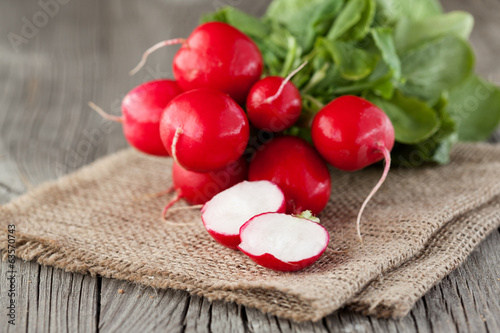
[286,237]
[226,212]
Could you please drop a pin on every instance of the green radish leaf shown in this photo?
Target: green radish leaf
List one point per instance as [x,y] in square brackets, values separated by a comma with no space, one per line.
[435,149]
[218,16]
[385,43]
[384,89]
[376,82]
[354,63]
[305,20]
[439,146]
[391,11]
[412,119]
[409,33]
[445,139]
[361,29]
[348,17]
[436,66]
[247,24]
[475,106]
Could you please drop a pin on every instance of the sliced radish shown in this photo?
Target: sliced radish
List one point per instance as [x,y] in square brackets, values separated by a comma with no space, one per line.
[283,242]
[226,212]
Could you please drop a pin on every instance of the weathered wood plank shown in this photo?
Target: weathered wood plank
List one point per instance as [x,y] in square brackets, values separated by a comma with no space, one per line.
[49,299]
[126,307]
[65,302]
[26,283]
[40,114]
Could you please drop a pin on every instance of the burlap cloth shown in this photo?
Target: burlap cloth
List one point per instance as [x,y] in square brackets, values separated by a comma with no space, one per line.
[421,225]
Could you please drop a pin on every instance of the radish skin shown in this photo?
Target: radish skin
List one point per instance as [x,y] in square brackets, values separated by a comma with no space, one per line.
[141,113]
[204,129]
[351,134]
[296,167]
[215,55]
[198,188]
[274,104]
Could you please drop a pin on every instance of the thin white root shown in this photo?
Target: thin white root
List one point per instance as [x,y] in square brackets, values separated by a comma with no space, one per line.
[104,114]
[272,98]
[154,195]
[387,157]
[176,209]
[168,209]
[177,197]
[178,133]
[153,49]
[177,224]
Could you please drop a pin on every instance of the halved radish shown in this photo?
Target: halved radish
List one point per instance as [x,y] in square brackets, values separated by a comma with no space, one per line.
[283,242]
[226,212]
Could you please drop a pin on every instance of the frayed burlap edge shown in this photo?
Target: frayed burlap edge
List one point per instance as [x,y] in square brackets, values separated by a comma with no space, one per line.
[380,298]
[384,298]
[50,254]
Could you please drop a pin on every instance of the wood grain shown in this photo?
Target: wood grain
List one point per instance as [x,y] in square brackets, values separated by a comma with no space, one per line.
[83,53]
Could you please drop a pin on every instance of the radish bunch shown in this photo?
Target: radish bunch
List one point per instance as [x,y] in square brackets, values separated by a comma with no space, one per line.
[220,100]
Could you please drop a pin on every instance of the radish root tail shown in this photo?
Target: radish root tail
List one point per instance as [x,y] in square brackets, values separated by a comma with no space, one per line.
[178,133]
[154,195]
[104,114]
[272,98]
[153,49]
[177,197]
[387,157]
[176,209]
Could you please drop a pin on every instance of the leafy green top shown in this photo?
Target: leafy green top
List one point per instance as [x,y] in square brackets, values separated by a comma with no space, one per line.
[405,56]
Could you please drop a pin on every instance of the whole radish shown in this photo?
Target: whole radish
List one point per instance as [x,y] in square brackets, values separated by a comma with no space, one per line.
[141,112]
[204,130]
[198,188]
[283,242]
[215,55]
[351,134]
[274,103]
[296,167]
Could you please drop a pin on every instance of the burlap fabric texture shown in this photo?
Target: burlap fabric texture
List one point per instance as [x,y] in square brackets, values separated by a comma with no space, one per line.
[421,225]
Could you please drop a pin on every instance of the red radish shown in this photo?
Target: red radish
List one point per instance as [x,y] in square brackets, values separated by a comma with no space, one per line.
[351,133]
[198,188]
[274,104]
[296,167]
[215,55]
[204,130]
[226,212]
[142,108]
[283,242]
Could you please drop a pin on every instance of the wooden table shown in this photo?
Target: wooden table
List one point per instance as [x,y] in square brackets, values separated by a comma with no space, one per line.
[83,50]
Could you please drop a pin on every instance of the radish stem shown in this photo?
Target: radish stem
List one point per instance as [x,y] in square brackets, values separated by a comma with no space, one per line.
[153,49]
[387,157]
[104,114]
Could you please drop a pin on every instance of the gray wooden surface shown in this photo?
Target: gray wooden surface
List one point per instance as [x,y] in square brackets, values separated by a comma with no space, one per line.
[83,51]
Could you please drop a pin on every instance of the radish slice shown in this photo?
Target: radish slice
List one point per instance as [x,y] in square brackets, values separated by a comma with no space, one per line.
[283,242]
[226,212]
